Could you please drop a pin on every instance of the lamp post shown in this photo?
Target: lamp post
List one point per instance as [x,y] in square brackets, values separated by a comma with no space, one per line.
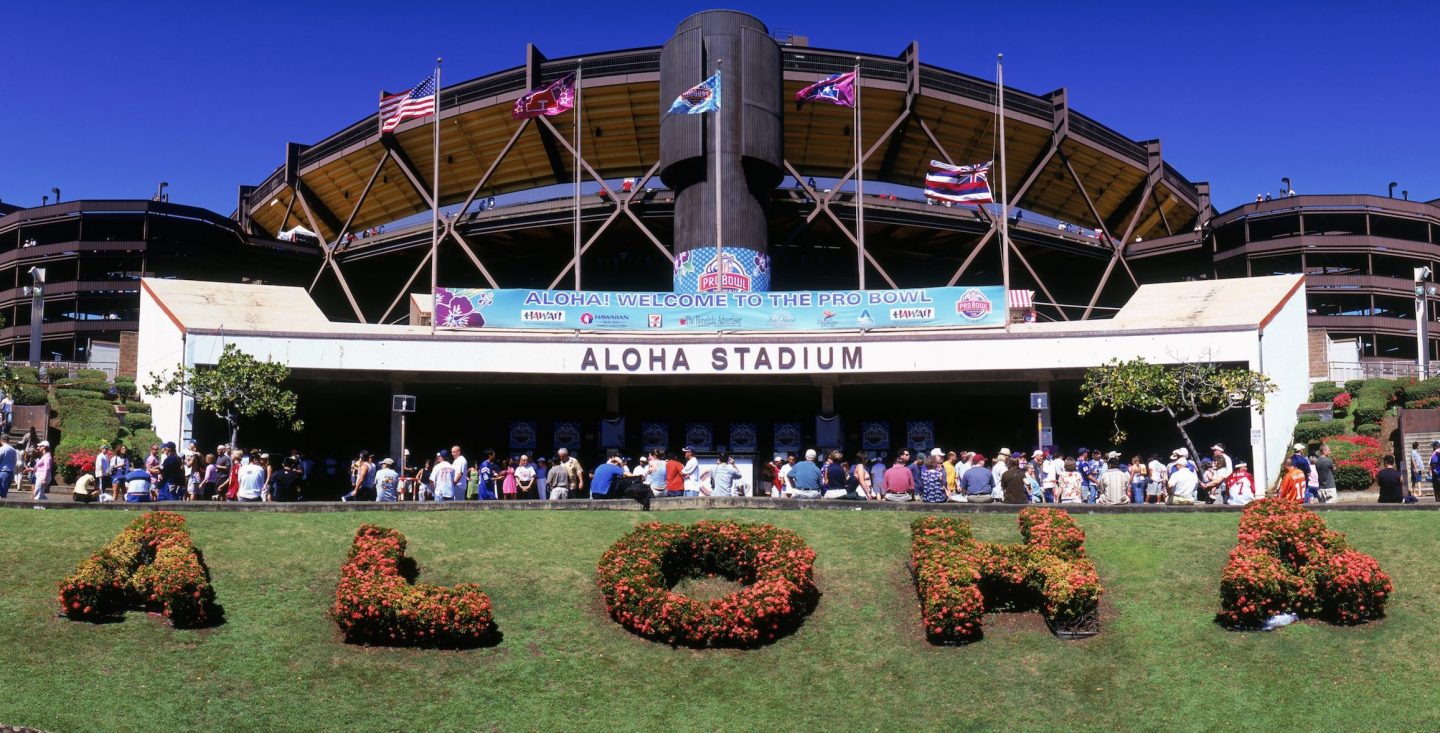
[37,312]
[56,191]
[1391,193]
[1423,289]
[160,190]
[1286,190]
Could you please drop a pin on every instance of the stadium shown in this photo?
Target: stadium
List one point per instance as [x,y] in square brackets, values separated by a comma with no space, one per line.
[1082,196]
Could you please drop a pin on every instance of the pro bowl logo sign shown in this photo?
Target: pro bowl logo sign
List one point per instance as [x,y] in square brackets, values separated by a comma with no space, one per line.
[735,279]
[973,305]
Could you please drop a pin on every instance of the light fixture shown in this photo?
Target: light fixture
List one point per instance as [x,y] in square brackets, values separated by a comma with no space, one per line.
[1391,192]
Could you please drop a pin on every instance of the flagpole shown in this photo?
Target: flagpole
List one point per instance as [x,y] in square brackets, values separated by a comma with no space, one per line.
[579,71]
[435,205]
[1004,203]
[859,184]
[719,183]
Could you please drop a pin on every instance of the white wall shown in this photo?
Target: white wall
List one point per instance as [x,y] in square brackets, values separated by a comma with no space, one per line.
[161,346]
[1283,355]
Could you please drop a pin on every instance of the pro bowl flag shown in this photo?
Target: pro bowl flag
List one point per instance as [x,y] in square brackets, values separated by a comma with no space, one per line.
[699,99]
[415,102]
[836,89]
[548,100]
[960,184]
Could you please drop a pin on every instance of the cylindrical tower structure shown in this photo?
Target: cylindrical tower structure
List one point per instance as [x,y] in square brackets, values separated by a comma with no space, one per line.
[751,149]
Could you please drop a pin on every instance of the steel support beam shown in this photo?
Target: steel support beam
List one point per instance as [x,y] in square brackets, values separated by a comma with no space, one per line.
[328,250]
[406,166]
[405,290]
[824,205]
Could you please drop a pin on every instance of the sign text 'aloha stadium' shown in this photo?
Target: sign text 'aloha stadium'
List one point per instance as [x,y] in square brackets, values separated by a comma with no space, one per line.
[662,359]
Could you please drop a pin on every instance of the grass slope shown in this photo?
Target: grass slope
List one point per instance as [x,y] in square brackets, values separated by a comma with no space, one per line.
[859,663]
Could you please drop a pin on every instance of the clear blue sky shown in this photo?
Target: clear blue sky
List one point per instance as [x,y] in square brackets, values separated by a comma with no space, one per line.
[106,99]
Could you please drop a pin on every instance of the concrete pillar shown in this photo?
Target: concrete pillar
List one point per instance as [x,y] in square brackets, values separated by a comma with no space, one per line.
[751,148]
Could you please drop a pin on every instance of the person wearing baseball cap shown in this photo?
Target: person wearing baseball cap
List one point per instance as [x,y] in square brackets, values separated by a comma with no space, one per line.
[691,471]
[1299,459]
[43,471]
[387,481]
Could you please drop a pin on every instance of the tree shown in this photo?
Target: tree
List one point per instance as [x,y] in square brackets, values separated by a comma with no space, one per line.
[1186,392]
[237,386]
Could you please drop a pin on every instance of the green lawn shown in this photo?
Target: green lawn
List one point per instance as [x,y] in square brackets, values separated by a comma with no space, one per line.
[858,663]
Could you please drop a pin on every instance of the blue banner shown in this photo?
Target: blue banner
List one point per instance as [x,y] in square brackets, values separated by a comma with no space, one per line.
[522,435]
[787,437]
[654,436]
[801,310]
[743,437]
[875,435]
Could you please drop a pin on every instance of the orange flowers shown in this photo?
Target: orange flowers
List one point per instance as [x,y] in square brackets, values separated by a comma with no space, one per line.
[375,604]
[775,565]
[957,577]
[1287,561]
[153,565]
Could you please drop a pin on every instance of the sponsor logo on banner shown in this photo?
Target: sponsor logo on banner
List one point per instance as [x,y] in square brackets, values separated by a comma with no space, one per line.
[973,304]
[587,318]
[865,319]
[902,315]
[699,436]
[656,320]
[538,316]
[736,279]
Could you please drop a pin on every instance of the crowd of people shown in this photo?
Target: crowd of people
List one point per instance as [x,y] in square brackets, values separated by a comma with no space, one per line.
[168,474]
[1085,476]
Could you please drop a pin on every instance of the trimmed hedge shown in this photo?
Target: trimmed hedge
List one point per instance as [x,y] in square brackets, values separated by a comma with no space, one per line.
[94,385]
[1288,561]
[138,421]
[958,577]
[26,374]
[83,394]
[134,407]
[1370,430]
[1325,392]
[1313,432]
[126,390]
[1353,386]
[775,566]
[27,394]
[151,565]
[1353,477]
[92,374]
[375,604]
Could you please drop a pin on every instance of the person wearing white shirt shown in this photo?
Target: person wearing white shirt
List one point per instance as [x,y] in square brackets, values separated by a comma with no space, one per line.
[102,469]
[1182,484]
[459,466]
[785,473]
[252,480]
[442,476]
[691,472]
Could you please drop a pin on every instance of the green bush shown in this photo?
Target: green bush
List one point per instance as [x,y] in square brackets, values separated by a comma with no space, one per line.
[1370,429]
[1324,392]
[1369,415]
[139,442]
[1312,432]
[83,394]
[1353,478]
[138,421]
[137,407]
[31,395]
[1423,390]
[126,390]
[92,374]
[1353,386]
[26,374]
[1339,412]
[94,385]
[1308,417]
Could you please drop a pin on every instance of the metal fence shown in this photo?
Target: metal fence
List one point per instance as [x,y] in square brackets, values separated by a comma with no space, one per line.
[1341,371]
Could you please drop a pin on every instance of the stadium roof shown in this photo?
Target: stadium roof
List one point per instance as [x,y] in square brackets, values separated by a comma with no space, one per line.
[1092,171]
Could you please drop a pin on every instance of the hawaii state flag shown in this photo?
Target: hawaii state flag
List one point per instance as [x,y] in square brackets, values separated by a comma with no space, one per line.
[548,100]
[699,99]
[960,184]
[836,89]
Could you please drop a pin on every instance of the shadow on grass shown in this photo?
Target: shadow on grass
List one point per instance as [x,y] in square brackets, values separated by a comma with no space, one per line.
[492,637]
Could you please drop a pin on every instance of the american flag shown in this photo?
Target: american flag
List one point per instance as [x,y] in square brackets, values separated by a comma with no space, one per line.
[409,104]
[961,184]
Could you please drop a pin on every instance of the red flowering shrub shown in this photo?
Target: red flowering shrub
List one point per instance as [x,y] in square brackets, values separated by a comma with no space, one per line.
[1287,561]
[775,565]
[1357,460]
[153,565]
[958,577]
[376,604]
[1341,400]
